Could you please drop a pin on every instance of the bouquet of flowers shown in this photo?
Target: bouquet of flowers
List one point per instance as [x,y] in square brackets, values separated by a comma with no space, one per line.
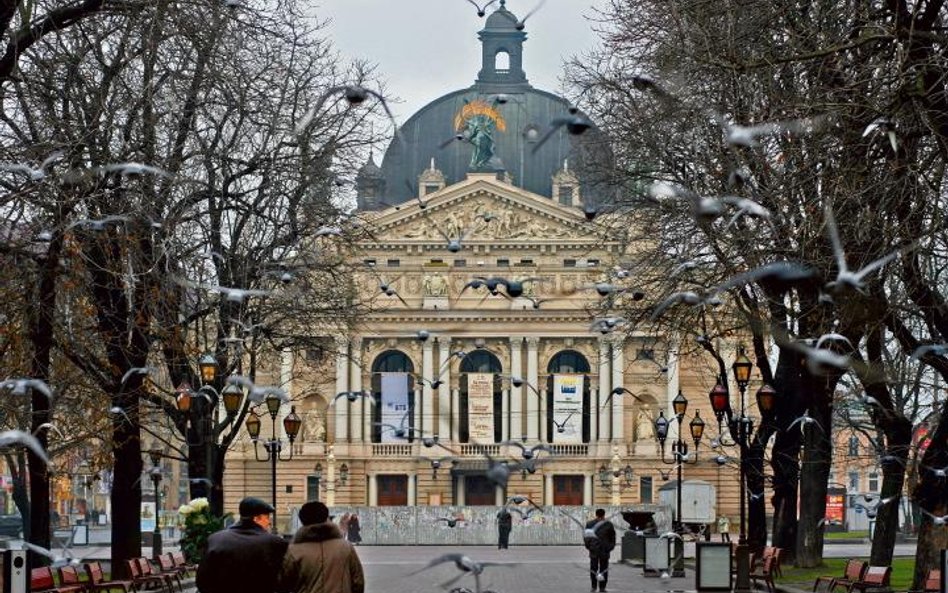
[199,523]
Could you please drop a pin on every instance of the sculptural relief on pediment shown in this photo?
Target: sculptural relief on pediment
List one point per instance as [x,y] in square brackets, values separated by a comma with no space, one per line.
[481,219]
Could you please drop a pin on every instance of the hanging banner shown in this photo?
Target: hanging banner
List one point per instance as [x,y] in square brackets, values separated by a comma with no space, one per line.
[394,405]
[480,407]
[568,408]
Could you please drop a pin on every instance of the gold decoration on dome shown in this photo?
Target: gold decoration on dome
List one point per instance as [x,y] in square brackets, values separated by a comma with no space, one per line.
[479,107]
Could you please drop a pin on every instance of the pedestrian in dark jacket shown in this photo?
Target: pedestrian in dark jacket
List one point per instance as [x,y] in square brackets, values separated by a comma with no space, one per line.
[245,557]
[504,525]
[355,530]
[319,559]
[599,537]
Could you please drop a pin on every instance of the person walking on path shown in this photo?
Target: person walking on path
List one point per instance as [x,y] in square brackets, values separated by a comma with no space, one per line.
[599,537]
[504,525]
[319,560]
[344,525]
[724,528]
[245,556]
[355,530]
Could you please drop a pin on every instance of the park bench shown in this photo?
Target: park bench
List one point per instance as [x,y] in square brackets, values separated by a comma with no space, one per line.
[852,573]
[167,569]
[933,581]
[97,581]
[765,573]
[777,553]
[875,577]
[142,580]
[42,580]
[182,562]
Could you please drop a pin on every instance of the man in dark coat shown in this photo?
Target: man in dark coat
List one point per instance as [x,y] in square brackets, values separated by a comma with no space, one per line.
[245,557]
[599,537]
[319,559]
[504,525]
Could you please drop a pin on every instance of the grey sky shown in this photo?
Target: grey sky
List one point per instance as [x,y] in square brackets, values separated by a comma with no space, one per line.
[426,48]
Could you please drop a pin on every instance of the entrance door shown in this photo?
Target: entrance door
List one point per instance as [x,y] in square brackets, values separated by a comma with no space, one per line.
[568,490]
[479,491]
[393,491]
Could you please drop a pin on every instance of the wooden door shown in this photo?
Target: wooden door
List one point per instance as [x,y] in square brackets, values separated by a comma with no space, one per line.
[393,491]
[479,491]
[568,490]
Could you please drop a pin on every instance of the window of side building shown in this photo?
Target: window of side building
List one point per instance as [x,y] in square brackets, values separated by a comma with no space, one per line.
[854,446]
[854,481]
[873,482]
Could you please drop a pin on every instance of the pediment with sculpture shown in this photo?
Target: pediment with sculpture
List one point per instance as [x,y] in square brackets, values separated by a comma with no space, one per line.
[482,217]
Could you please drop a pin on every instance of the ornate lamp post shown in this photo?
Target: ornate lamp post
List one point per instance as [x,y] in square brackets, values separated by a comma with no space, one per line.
[741,426]
[679,458]
[198,409]
[155,455]
[274,445]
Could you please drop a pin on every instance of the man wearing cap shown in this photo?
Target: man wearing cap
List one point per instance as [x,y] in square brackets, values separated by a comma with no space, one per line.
[319,559]
[245,557]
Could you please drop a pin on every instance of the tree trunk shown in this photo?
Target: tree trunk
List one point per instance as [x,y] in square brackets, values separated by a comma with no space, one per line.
[898,441]
[42,305]
[126,484]
[786,451]
[815,470]
[757,506]
[931,540]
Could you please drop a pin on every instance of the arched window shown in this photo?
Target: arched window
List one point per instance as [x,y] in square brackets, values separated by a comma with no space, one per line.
[391,361]
[567,362]
[502,62]
[480,361]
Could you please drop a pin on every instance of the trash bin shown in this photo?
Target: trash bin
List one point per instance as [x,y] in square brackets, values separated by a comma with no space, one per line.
[633,546]
[633,541]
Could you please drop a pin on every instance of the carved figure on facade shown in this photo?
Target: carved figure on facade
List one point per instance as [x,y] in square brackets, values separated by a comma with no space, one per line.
[643,429]
[314,430]
[436,285]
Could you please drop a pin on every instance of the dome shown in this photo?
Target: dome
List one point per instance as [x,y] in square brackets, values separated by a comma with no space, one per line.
[370,170]
[501,20]
[519,116]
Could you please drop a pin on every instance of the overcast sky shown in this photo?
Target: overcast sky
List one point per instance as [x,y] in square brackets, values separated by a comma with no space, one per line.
[426,48]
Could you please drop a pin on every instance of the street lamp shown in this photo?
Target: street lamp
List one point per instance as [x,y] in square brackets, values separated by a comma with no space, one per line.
[155,455]
[679,458]
[198,409]
[740,427]
[274,446]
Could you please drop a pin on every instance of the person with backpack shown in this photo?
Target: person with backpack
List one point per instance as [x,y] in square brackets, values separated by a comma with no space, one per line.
[599,537]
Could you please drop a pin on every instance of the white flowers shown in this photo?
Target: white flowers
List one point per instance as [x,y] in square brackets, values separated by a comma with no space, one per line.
[195,506]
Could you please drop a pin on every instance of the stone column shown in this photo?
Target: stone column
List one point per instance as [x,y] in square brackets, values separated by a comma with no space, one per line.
[331,480]
[516,393]
[547,489]
[355,384]
[533,407]
[427,374]
[366,407]
[499,496]
[461,498]
[417,409]
[444,392]
[341,433]
[412,486]
[373,490]
[618,380]
[587,490]
[456,415]
[505,414]
[544,401]
[602,428]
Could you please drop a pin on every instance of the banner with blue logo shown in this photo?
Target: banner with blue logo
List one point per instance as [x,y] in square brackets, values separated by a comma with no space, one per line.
[394,405]
[568,408]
